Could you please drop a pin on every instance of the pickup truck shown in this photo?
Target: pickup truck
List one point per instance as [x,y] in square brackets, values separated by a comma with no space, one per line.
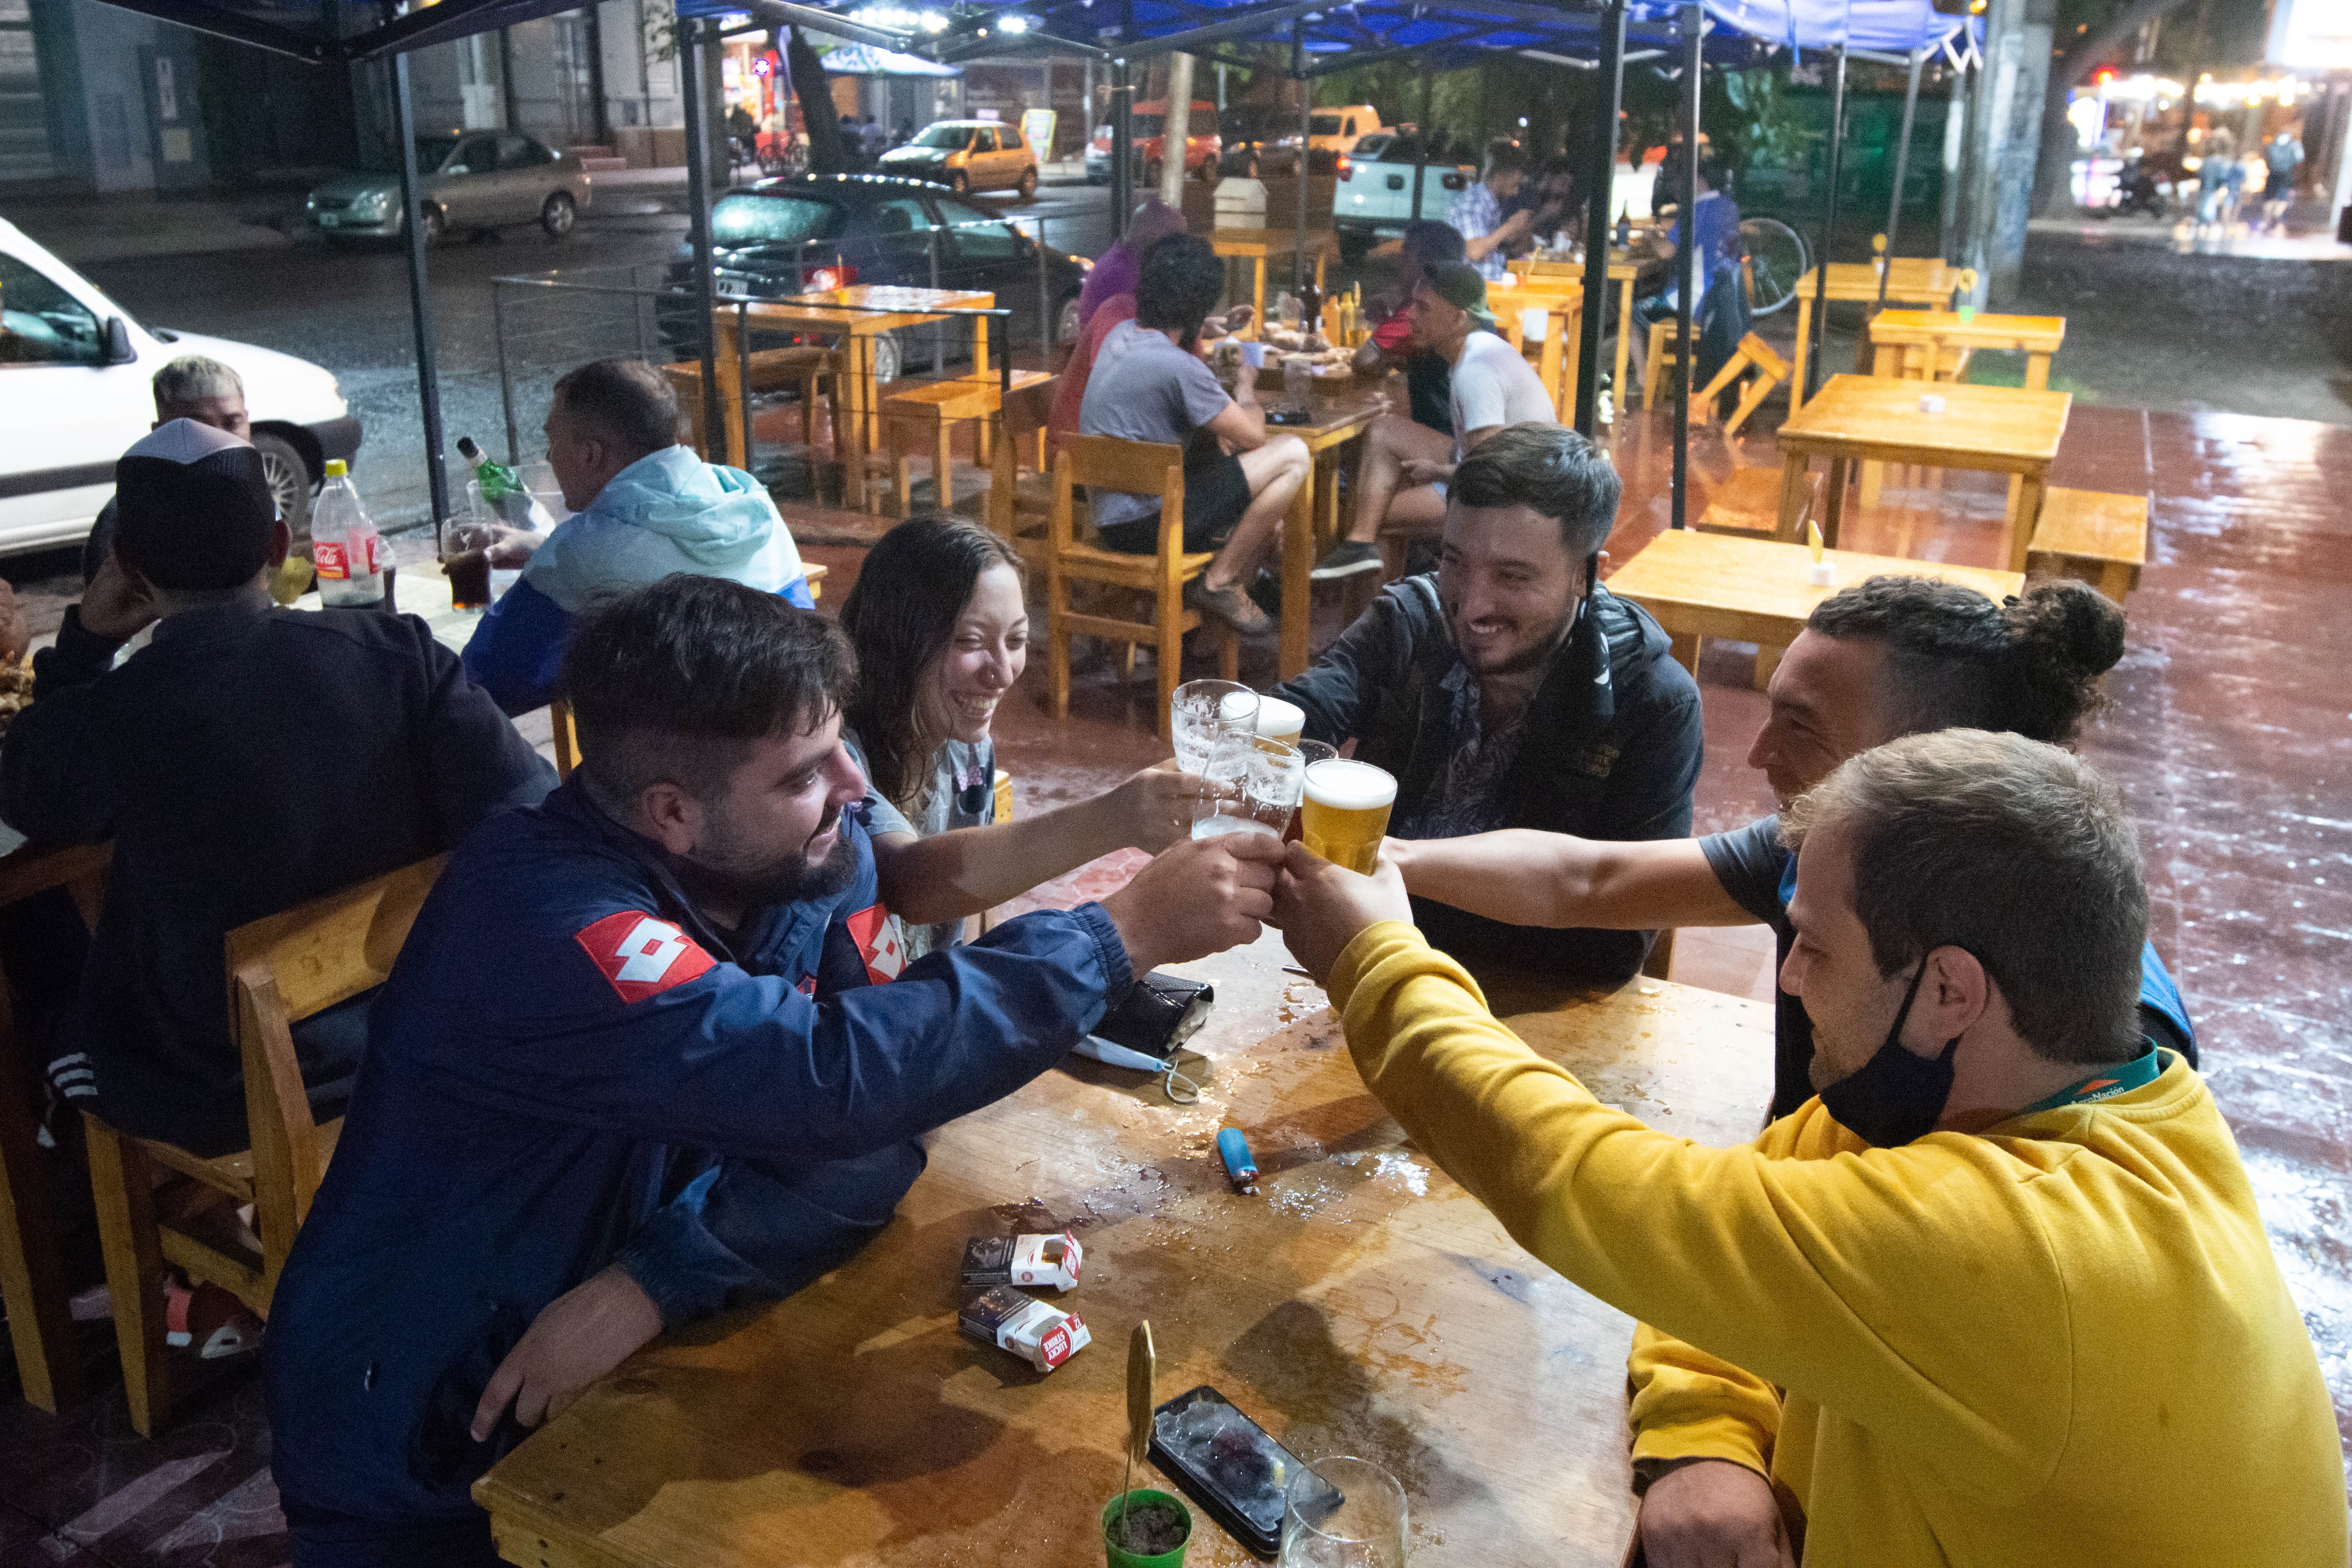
[1373,198]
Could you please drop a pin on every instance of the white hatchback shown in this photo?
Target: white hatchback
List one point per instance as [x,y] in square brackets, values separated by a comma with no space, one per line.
[75,373]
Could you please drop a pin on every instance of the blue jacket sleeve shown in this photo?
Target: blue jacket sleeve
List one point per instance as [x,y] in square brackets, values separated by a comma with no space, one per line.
[516,654]
[796,592]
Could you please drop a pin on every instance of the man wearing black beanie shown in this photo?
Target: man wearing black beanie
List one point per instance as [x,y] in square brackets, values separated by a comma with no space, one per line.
[249,759]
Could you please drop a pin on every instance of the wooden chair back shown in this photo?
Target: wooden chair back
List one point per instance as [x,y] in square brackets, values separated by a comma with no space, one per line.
[1020,443]
[32,1267]
[158,1203]
[1139,467]
[567,736]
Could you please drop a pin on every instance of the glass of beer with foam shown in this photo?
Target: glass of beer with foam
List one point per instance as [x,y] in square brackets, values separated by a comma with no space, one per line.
[1279,720]
[1345,811]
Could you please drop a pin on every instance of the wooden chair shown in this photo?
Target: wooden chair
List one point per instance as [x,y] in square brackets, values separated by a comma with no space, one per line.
[566,735]
[1748,505]
[1140,467]
[1754,353]
[1020,520]
[2099,538]
[159,1203]
[932,411]
[804,366]
[32,1272]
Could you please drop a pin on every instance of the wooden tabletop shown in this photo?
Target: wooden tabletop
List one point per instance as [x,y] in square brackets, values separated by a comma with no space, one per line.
[1360,1303]
[1264,243]
[2036,334]
[1915,280]
[892,297]
[1725,575]
[1979,427]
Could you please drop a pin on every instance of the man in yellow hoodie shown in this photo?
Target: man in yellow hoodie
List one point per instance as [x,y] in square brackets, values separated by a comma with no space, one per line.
[1998,1295]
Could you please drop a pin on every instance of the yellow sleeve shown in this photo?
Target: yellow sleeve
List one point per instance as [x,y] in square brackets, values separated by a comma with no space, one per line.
[1688,1405]
[1911,1289]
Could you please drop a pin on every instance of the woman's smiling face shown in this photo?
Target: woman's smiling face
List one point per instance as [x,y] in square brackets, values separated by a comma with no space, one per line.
[984,657]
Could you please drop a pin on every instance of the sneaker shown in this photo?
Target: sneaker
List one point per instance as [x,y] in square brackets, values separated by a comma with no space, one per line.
[1230,605]
[1346,558]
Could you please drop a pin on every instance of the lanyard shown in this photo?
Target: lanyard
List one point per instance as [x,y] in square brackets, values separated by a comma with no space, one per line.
[2137,1073]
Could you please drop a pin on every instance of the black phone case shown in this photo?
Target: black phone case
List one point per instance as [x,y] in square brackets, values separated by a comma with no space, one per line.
[1204,1491]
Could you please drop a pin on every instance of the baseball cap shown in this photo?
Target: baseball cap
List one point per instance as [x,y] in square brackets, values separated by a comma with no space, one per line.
[1459,284]
[193,508]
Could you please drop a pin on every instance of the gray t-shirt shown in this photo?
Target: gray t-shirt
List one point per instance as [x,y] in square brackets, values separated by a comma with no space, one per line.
[959,793]
[1494,384]
[1145,388]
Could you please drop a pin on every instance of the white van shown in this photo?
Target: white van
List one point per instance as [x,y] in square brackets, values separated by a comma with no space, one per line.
[75,373]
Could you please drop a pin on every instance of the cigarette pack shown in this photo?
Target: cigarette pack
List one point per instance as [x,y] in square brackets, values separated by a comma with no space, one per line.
[1030,1261]
[1043,1337]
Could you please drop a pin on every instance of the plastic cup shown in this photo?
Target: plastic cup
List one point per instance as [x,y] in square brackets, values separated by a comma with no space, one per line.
[1367,1530]
[1118,1556]
[1534,323]
[1258,784]
[1254,353]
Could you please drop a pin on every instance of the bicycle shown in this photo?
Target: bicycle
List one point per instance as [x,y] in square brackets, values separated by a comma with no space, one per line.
[1776,260]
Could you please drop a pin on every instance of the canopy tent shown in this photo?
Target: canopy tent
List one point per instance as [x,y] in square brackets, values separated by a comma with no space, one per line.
[866,60]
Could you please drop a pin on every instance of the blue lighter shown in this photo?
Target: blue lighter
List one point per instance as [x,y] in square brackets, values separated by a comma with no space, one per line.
[1240,1164]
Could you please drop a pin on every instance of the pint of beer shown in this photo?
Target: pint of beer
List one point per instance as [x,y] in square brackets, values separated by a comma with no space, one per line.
[1280,720]
[1346,812]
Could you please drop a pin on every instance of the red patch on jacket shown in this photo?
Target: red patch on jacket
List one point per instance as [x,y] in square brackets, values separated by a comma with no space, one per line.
[878,942]
[642,956]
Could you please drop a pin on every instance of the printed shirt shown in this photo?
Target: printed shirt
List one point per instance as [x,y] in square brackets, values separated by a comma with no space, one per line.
[1466,797]
[959,793]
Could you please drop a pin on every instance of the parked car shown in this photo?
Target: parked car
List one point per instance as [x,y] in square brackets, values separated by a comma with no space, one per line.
[75,374]
[1373,198]
[1257,141]
[832,231]
[1148,124]
[968,155]
[473,180]
[1338,130]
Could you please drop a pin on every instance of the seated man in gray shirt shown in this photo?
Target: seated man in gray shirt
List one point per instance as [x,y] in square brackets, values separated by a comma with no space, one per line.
[1149,384]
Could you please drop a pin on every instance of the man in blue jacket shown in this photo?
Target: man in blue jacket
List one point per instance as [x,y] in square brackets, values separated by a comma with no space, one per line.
[637,1059]
[642,507]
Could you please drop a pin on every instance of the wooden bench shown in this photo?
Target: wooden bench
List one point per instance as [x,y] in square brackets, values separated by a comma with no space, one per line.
[2098,538]
[1748,504]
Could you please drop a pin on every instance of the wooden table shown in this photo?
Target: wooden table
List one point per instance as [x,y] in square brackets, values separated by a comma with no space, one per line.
[1256,245]
[1893,331]
[1624,267]
[1754,591]
[1563,346]
[1362,1303]
[856,316]
[2001,429]
[1339,415]
[1912,280]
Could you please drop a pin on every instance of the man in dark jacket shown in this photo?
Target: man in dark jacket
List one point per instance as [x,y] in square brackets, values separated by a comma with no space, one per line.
[638,1058]
[1513,690]
[250,759]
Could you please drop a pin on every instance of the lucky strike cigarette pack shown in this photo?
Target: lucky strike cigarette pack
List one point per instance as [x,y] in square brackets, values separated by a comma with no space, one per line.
[1043,1336]
[1027,1260]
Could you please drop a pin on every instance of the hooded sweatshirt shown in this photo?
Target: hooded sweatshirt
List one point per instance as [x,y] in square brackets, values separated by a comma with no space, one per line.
[667,512]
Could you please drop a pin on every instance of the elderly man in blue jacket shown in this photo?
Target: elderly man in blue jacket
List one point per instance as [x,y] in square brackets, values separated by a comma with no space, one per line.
[638,1058]
[642,507]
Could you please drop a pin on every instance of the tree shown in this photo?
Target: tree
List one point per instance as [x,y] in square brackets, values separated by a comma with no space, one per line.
[2053,177]
[811,86]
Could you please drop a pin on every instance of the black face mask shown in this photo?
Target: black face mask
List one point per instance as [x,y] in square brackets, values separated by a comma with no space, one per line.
[1896,1095]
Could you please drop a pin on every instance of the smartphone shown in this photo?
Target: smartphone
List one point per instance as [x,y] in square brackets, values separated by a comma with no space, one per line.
[1225,1462]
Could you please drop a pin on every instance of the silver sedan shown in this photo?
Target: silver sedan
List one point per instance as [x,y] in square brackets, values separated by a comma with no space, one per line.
[473,180]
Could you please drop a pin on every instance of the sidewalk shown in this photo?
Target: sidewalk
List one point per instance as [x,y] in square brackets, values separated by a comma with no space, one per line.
[109,228]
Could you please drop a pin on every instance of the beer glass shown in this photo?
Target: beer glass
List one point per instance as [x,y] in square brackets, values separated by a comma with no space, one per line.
[1205,712]
[1346,812]
[1280,720]
[1258,783]
[1366,1530]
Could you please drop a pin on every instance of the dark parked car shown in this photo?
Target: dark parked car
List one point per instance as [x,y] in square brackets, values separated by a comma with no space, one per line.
[830,231]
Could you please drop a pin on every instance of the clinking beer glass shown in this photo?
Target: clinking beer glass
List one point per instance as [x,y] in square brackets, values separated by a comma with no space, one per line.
[1345,812]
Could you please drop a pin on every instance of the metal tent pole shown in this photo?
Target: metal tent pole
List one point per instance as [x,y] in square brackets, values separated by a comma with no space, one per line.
[1421,141]
[1829,228]
[1306,164]
[1902,171]
[697,228]
[1122,147]
[1691,23]
[420,300]
[1609,87]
